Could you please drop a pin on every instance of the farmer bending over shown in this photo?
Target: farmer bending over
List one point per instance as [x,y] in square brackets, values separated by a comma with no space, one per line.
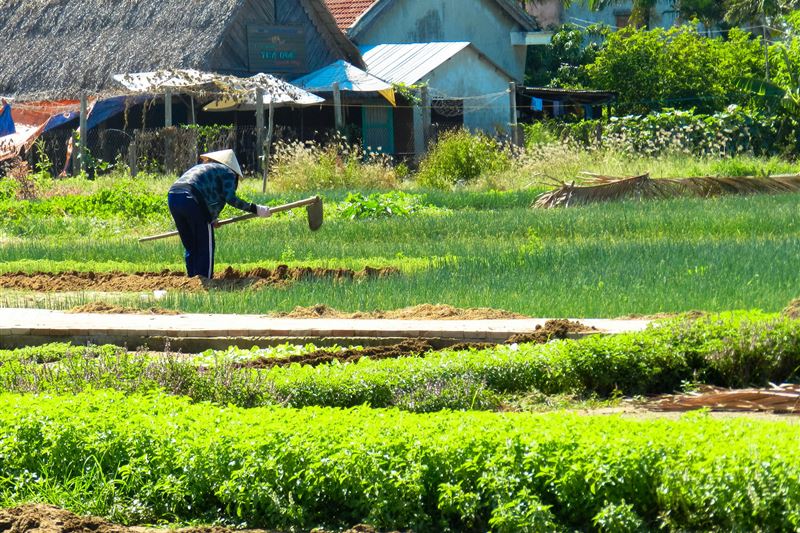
[197,199]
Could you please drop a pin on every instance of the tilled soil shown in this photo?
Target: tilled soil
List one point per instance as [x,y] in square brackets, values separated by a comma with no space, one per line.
[106,308]
[417,312]
[553,329]
[229,279]
[42,518]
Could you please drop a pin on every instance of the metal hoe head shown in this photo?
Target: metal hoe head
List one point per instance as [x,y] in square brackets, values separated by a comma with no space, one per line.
[315,216]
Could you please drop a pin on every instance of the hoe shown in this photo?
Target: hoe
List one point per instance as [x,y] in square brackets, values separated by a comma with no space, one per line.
[313,207]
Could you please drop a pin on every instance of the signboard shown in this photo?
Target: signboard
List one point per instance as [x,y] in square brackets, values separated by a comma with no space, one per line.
[277,49]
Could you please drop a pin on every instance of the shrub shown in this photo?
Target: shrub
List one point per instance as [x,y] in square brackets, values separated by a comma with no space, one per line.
[311,166]
[459,157]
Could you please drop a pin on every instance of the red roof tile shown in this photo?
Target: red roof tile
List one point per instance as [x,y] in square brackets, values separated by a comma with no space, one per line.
[346,12]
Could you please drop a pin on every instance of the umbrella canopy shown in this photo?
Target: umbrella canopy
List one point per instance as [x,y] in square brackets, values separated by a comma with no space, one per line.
[349,78]
[178,80]
[229,92]
[242,96]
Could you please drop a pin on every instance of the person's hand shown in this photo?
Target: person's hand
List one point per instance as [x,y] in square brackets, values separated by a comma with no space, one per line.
[215,223]
[263,211]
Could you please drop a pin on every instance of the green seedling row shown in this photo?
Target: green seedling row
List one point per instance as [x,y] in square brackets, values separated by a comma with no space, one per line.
[602,261]
[141,459]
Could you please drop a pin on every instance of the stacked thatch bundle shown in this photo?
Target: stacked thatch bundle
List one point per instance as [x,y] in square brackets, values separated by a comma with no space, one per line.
[596,188]
[52,49]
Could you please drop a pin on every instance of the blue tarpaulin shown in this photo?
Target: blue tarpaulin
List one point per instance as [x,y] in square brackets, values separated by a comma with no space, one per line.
[6,121]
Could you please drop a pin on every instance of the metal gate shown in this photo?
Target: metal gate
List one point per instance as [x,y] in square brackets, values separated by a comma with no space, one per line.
[377,123]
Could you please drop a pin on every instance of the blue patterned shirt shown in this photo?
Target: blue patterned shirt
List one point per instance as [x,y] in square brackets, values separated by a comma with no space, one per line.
[213,185]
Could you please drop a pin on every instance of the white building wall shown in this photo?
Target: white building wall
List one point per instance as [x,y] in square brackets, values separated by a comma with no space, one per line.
[467,76]
[481,22]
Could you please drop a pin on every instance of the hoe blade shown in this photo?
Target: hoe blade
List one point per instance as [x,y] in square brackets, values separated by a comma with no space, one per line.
[315,216]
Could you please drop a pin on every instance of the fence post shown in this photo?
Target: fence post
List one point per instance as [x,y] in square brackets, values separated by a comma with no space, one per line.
[426,115]
[168,159]
[512,91]
[337,108]
[80,150]
[260,129]
[133,158]
[268,144]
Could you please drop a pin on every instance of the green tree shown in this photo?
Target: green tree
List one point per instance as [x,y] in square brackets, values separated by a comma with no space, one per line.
[676,68]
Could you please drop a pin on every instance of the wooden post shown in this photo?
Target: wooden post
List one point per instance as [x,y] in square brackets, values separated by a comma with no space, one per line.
[133,157]
[337,108]
[194,115]
[260,129]
[268,144]
[426,115]
[80,150]
[419,127]
[512,90]
[168,108]
[168,162]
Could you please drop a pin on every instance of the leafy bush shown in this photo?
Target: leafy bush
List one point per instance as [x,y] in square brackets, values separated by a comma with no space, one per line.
[459,157]
[676,67]
[376,205]
[728,133]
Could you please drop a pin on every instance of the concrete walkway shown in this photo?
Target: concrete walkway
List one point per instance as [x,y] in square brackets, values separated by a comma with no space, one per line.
[25,327]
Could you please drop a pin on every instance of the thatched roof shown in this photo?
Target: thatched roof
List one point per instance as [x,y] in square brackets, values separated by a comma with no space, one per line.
[60,48]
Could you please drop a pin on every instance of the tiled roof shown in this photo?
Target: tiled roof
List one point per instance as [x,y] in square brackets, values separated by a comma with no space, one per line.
[346,12]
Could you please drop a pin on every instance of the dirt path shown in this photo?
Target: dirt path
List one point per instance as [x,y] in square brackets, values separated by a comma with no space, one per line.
[229,279]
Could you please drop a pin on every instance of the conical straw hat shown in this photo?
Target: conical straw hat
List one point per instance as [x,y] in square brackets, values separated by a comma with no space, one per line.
[225,157]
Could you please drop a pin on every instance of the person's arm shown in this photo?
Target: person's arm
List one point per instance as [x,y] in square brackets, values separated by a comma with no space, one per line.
[238,203]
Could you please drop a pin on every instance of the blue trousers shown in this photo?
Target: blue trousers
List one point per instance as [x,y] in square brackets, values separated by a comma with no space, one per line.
[196,232]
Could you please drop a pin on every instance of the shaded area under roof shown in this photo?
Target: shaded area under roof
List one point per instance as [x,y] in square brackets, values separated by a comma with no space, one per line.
[408,63]
[578,96]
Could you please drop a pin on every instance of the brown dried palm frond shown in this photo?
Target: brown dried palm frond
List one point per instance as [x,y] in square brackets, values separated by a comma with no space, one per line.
[598,188]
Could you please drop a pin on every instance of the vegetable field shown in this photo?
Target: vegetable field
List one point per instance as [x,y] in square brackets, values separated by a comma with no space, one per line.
[536,434]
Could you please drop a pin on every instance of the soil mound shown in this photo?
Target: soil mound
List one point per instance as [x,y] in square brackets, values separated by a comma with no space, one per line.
[553,329]
[229,279]
[40,518]
[110,309]
[417,312]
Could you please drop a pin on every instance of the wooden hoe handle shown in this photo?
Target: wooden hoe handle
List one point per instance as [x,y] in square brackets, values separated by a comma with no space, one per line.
[276,209]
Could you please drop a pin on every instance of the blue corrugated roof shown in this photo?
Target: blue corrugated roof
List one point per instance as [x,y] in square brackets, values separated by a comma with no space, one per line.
[349,78]
[408,63]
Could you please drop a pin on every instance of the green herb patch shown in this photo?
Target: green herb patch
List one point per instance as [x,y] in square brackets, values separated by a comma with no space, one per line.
[730,350]
[147,458]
